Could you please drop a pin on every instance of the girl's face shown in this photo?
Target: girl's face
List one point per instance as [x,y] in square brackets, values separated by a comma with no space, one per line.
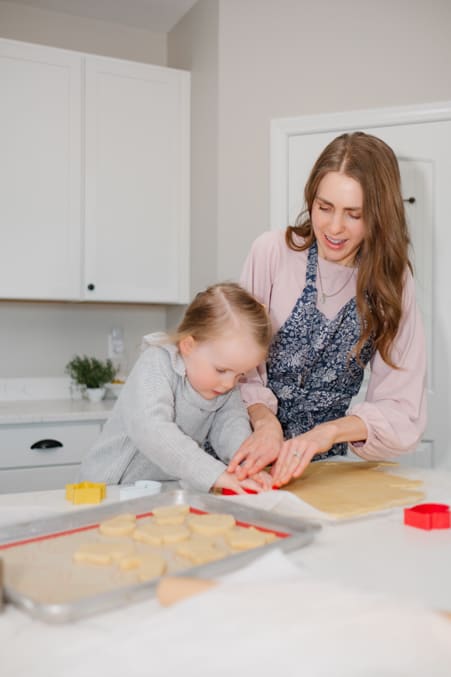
[214,367]
[337,218]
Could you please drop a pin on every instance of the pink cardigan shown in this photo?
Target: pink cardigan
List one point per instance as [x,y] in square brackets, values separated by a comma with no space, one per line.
[394,409]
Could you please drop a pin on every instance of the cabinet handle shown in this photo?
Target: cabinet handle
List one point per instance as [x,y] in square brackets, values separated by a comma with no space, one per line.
[91,286]
[46,444]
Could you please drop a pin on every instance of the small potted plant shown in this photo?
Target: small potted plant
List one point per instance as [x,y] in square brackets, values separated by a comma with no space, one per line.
[92,374]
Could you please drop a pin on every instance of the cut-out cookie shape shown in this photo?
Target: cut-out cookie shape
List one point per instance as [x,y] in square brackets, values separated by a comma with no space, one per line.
[199,552]
[245,538]
[102,554]
[151,566]
[157,534]
[171,514]
[121,525]
[211,524]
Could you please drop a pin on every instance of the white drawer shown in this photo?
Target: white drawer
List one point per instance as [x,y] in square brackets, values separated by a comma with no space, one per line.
[30,445]
[38,479]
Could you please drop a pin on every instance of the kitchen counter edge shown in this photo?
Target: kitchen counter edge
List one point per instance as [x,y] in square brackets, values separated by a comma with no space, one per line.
[19,412]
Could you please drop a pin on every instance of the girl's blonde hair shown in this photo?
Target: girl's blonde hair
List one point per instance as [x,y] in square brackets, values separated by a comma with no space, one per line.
[222,307]
[384,253]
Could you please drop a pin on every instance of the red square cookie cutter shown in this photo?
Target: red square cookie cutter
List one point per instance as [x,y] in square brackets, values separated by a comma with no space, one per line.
[428,516]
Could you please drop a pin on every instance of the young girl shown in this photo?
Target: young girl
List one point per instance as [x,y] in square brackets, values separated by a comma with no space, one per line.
[181,396]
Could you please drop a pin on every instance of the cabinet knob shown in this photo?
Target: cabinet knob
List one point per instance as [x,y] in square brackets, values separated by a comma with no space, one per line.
[46,444]
[91,286]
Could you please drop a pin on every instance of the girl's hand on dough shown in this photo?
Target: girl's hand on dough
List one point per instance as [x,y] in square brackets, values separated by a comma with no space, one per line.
[228,481]
[263,479]
[260,449]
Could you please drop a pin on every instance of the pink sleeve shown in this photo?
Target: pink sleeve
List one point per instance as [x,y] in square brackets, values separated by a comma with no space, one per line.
[256,277]
[394,409]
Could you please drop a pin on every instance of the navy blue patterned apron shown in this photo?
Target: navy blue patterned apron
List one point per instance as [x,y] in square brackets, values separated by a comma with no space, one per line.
[310,367]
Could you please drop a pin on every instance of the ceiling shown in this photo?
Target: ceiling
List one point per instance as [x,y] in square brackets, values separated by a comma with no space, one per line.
[159,16]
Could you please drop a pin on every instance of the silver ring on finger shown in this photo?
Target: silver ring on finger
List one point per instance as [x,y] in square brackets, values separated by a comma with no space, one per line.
[296,454]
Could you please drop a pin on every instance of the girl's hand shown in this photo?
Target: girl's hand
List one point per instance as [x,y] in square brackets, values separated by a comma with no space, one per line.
[260,449]
[228,481]
[260,482]
[297,452]
[263,479]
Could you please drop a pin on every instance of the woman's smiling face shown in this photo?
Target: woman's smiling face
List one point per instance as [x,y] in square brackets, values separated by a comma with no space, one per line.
[337,218]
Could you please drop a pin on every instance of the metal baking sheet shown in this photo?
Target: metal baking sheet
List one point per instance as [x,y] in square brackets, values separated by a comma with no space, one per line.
[299,533]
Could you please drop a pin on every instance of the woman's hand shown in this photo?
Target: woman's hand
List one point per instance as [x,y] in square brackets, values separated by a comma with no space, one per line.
[261,448]
[297,452]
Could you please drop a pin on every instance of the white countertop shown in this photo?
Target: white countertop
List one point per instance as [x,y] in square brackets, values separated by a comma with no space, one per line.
[50,411]
[358,601]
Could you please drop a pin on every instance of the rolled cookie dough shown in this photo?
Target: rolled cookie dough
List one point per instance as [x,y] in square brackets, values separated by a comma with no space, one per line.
[347,489]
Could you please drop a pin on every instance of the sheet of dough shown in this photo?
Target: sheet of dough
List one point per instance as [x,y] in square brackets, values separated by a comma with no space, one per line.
[354,488]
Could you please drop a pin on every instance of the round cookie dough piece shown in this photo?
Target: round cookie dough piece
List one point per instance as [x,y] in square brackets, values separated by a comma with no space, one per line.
[131,517]
[151,566]
[130,562]
[211,524]
[117,527]
[245,538]
[103,552]
[171,514]
[199,552]
[157,534]
[270,536]
[93,553]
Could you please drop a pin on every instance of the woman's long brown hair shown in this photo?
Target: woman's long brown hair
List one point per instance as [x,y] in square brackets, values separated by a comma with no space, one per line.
[384,253]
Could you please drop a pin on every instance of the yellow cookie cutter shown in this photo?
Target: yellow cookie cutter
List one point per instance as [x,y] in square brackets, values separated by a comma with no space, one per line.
[86,492]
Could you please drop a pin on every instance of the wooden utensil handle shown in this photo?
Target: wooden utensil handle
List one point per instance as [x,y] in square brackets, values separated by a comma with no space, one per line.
[173,589]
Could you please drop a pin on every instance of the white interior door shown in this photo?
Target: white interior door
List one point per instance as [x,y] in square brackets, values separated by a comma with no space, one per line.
[422,147]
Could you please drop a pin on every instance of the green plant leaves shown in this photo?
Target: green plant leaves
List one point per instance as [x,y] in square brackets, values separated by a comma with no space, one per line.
[91,372]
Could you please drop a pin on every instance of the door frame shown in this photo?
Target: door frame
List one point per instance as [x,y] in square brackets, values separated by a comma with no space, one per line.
[283,128]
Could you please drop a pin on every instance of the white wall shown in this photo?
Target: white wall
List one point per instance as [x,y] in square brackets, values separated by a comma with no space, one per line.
[55,29]
[193,45]
[38,339]
[280,58]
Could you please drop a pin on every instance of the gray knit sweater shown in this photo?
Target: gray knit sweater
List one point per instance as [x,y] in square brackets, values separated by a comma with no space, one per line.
[160,423]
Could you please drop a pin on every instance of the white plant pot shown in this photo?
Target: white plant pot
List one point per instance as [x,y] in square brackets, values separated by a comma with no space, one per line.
[95,394]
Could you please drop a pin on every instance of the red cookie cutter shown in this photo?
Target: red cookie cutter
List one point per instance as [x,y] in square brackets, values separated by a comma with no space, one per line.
[428,516]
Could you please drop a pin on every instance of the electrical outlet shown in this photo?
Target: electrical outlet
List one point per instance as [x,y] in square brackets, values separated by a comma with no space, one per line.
[116,343]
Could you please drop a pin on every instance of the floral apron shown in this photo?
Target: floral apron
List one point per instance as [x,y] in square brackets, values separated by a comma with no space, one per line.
[310,367]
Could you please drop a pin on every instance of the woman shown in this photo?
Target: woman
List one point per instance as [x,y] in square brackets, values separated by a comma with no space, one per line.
[339,289]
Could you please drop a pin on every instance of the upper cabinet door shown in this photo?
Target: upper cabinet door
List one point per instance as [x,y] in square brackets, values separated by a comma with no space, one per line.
[137,182]
[40,142]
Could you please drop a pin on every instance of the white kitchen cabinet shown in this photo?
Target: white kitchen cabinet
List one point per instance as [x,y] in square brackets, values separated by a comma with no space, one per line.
[136,151]
[95,172]
[40,456]
[40,180]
